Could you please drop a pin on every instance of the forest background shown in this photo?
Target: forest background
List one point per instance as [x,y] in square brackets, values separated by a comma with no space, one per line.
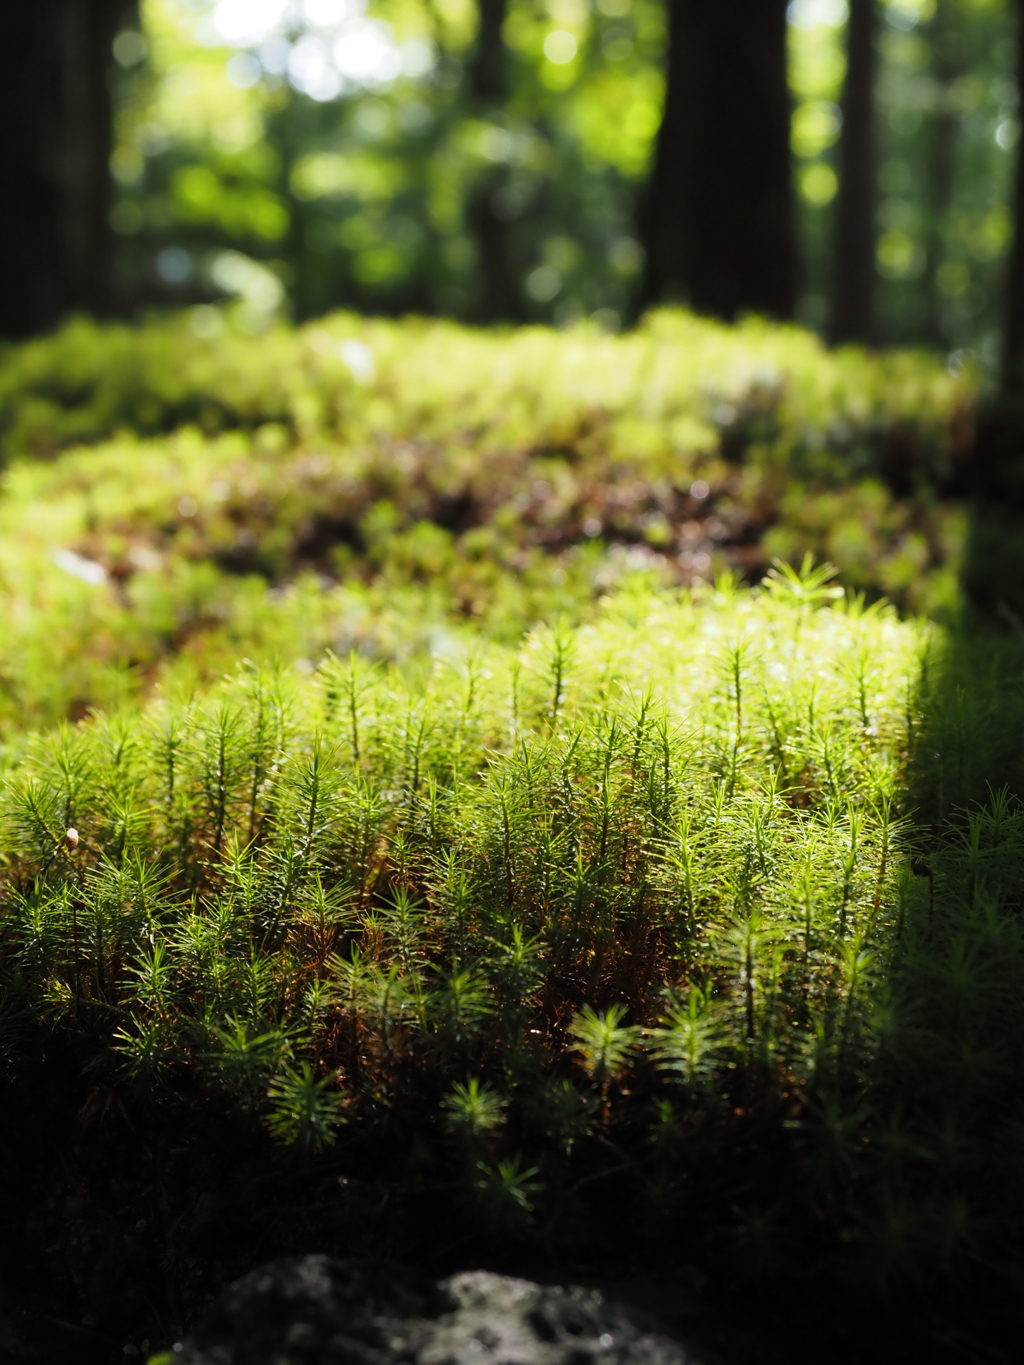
[511,162]
[527,876]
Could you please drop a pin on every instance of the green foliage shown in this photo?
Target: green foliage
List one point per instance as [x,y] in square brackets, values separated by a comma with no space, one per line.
[243,1060]
[473,1110]
[477,480]
[506,1193]
[603,1042]
[502,857]
[304,1111]
[686,1041]
[240,174]
[327,895]
[941,241]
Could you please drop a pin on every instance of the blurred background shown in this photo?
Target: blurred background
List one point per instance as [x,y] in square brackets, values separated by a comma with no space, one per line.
[499,160]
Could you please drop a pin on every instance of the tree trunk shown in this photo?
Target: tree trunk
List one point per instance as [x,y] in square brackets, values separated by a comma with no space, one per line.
[946,67]
[1013,339]
[488,75]
[720,214]
[498,298]
[854,303]
[662,228]
[55,144]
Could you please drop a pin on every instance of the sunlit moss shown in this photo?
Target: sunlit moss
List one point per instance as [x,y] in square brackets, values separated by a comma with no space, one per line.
[639,900]
[495,477]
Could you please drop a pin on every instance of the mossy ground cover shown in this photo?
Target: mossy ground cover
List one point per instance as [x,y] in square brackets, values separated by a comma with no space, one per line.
[616,918]
[368,483]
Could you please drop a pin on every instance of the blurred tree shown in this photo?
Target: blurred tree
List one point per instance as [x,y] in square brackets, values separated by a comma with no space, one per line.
[402,155]
[483,158]
[498,297]
[817,67]
[1013,337]
[853,317]
[55,144]
[720,218]
[946,46]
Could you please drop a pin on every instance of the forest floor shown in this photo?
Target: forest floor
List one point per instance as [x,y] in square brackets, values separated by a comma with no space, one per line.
[432,829]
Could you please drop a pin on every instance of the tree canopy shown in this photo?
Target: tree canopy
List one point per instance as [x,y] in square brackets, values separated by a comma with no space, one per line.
[513,160]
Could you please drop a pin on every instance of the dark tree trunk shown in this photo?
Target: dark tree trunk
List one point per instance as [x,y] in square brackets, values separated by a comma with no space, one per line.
[488,73]
[854,304]
[946,67]
[498,298]
[720,214]
[55,144]
[662,228]
[1013,339]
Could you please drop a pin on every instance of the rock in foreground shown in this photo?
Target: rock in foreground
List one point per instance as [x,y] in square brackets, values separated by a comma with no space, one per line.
[318,1311]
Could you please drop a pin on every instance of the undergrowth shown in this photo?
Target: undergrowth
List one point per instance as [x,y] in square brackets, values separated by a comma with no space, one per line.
[366,483]
[633,902]
[419,814]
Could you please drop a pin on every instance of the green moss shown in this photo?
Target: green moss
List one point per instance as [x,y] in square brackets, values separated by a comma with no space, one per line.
[440,819]
[497,477]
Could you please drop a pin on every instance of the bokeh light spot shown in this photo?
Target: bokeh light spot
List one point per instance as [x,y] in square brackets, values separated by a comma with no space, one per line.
[818,184]
[174,265]
[543,284]
[242,22]
[243,70]
[130,48]
[560,46]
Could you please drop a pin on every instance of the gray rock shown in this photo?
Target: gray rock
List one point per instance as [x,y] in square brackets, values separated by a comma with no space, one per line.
[317,1311]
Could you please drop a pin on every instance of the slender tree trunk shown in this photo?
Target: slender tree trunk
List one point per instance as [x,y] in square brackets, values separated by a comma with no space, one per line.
[55,144]
[498,298]
[488,72]
[993,572]
[854,302]
[662,228]
[720,215]
[1013,337]
[941,165]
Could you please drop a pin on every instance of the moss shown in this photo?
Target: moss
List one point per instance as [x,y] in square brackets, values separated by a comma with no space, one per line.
[501,478]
